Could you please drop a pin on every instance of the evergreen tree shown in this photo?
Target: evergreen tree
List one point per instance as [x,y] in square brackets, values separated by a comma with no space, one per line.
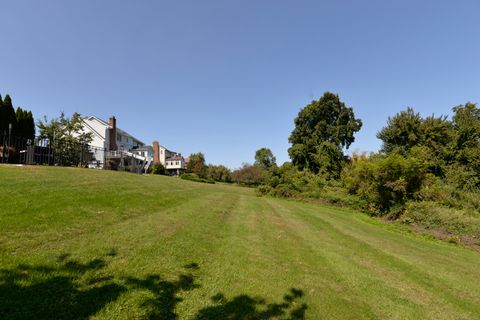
[8,115]
[2,117]
[25,124]
[20,117]
[30,125]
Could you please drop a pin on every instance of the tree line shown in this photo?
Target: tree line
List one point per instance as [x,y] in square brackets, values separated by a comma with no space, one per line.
[427,171]
[67,143]
[18,123]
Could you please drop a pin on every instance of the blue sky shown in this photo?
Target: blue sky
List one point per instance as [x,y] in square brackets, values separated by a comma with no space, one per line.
[228,77]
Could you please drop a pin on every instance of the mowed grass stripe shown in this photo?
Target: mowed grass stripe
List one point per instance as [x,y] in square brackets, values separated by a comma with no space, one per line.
[242,254]
[409,284]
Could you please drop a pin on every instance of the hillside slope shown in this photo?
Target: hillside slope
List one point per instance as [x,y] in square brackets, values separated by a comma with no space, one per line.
[78,243]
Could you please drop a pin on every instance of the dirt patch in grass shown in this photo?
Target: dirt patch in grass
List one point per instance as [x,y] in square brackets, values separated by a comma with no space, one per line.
[471,242]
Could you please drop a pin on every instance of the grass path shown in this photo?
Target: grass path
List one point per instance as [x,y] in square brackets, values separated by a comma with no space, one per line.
[80,244]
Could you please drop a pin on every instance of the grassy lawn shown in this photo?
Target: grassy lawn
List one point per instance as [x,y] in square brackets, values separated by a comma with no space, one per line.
[78,243]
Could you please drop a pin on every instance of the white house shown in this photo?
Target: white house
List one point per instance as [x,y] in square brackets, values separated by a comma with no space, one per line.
[173,162]
[144,151]
[103,131]
[111,142]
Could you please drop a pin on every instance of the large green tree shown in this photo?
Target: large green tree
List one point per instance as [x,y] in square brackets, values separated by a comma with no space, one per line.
[7,116]
[248,174]
[265,159]
[407,129]
[67,137]
[322,130]
[1,115]
[402,132]
[196,164]
[25,124]
[466,122]
[219,173]
[22,122]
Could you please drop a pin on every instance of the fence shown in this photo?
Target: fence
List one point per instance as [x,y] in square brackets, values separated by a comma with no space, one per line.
[20,150]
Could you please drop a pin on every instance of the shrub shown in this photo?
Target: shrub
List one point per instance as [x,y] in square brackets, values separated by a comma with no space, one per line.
[432,215]
[284,191]
[263,190]
[156,168]
[194,177]
[386,182]
[463,177]
[218,173]
[196,164]
[249,175]
[112,164]
[287,181]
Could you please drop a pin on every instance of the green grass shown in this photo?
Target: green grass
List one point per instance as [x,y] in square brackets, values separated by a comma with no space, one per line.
[78,243]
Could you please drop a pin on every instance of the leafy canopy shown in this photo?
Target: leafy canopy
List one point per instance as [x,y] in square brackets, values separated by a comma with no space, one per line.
[219,173]
[67,137]
[265,159]
[64,129]
[196,164]
[322,129]
[408,129]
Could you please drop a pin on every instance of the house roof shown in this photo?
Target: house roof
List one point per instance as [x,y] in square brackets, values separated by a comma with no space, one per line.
[124,133]
[174,158]
[143,148]
[95,132]
[120,131]
[167,150]
[97,119]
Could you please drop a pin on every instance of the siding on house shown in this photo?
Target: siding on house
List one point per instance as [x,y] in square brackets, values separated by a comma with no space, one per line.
[172,161]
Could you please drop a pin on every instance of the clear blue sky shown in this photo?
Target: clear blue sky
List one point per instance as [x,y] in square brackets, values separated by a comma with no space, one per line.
[228,77]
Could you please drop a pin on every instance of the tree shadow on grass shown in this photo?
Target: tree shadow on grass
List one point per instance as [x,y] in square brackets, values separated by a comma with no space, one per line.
[56,292]
[74,290]
[244,307]
[165,292]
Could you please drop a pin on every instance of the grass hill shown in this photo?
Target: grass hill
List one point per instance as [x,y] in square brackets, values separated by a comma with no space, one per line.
[77,243]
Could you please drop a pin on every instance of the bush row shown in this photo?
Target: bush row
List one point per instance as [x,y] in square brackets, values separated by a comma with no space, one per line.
[194,177]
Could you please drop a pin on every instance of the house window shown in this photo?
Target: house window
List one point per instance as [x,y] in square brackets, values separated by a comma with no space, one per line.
[176,163]
[119,138]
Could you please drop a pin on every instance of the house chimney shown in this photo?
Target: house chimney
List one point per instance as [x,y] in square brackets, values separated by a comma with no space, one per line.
[156,152]
[112,133]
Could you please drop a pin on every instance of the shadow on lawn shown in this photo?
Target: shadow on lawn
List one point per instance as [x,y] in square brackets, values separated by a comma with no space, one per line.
[76,290]
[243,307]
[67,291]
[165,299]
